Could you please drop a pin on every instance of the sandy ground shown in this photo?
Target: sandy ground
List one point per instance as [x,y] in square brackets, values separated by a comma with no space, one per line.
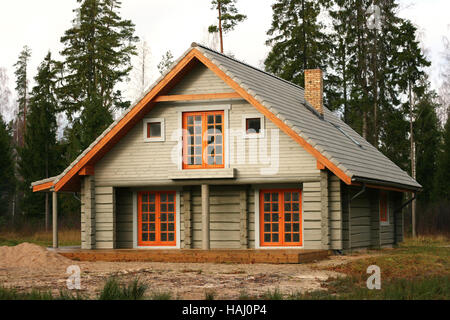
[47,271]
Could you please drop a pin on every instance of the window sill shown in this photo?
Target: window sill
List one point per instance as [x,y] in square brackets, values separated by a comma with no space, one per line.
[203,174]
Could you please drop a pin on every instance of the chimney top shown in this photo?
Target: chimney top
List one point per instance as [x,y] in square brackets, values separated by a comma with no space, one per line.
[314,89]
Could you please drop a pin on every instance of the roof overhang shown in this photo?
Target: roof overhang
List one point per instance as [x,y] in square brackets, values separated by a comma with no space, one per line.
[384,185]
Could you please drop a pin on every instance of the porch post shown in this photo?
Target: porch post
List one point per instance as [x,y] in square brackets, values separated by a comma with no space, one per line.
[55,219]
[205,217]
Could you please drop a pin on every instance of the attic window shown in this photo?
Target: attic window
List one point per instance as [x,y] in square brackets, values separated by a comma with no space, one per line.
[253,126]
[154,130]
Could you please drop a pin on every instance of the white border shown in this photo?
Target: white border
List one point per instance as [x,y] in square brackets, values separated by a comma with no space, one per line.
[257,225]
[178,222]
[259,135]
[226,112]
[163,130]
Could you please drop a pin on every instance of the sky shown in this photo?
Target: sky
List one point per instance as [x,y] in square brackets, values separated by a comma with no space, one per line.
[175,24]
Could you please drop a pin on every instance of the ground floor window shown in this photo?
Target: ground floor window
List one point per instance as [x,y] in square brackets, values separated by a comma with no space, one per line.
[157,218]
[281,218]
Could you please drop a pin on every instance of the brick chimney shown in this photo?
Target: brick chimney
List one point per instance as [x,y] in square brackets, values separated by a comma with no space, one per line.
[314,89]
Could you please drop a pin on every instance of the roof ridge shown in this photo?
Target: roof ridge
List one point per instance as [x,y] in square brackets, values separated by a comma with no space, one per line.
[247,65]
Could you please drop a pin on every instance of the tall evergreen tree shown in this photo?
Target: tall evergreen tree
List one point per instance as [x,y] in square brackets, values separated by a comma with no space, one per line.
[297,39]
[442,181]
[7,178]
[21,73]
[228,18]
[97,52]
[39,157]
[428,140]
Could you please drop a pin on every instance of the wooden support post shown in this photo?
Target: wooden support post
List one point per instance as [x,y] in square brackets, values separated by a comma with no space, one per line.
[325,213]
[244,219]
[187,219]
[205,217]
[55,220]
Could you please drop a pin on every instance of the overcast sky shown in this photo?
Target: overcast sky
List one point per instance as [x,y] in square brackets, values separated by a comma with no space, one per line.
[175,24]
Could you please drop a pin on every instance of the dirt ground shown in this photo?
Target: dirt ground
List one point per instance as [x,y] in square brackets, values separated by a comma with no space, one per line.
[183,280]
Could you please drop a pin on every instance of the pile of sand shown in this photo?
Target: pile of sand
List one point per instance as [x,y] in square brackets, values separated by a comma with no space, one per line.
[27,255]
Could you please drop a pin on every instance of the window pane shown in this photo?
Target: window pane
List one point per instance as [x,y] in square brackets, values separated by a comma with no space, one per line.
[287,227]
[267,197]
[253,125]
[275,227]
[275,237]
[295,196]
[211,119]
[145,237]
[219,160]
[163,236]
[152,227]
[296,237]
[163,227]
[287,237]
[171,237]
[171,227]
[267,227]
[267,237]
[218,119]
[152,237]
[154,130]
[296,227]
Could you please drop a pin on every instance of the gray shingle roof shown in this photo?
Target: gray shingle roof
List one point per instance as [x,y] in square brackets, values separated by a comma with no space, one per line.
[328,134]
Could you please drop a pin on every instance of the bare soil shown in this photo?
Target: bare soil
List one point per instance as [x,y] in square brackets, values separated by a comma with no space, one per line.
[28,266]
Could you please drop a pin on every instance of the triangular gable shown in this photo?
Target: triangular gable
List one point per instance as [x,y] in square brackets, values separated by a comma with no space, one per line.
[69,179]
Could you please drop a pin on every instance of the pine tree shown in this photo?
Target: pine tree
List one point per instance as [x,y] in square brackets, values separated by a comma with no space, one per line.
[39,157]
[21,73]
[166,62]
[7,178]
[298,40]
[442,181]
[97,52]
[228,18]
[428,139]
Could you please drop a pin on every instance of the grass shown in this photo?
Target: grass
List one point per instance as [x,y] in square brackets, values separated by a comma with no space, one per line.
[67,237]
[418,269]
[113,290]
[210,295]
[12,294]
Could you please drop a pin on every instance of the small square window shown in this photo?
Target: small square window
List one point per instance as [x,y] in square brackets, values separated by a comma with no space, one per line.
[154,130]
[253,126]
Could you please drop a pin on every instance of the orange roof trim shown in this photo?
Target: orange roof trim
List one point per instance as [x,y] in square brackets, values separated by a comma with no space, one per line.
[66,182]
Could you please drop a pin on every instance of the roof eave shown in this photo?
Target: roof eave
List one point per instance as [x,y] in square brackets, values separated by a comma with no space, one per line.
[388,185]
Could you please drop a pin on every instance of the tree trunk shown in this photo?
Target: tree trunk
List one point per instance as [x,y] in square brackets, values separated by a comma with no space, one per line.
[413,160]
[220,27]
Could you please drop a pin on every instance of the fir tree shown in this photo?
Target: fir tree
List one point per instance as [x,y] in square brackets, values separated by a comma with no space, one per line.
[442,181]
[428,139]
[39,157]
[228,18]
[97,52]
[297,39]
[21,73]
[7,178]
[166,62]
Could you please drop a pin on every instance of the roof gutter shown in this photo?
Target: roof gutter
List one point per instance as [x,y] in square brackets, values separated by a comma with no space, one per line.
[381,183]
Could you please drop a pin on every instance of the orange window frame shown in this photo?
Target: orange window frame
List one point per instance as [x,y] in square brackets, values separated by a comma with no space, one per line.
[204,144]
[384,207]
[158,242]
[281,218]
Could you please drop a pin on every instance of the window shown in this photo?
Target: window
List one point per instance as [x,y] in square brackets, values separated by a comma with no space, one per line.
[281,218]
[157,219]
[384,208]
[154,130]
[253,126]
[203,140]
